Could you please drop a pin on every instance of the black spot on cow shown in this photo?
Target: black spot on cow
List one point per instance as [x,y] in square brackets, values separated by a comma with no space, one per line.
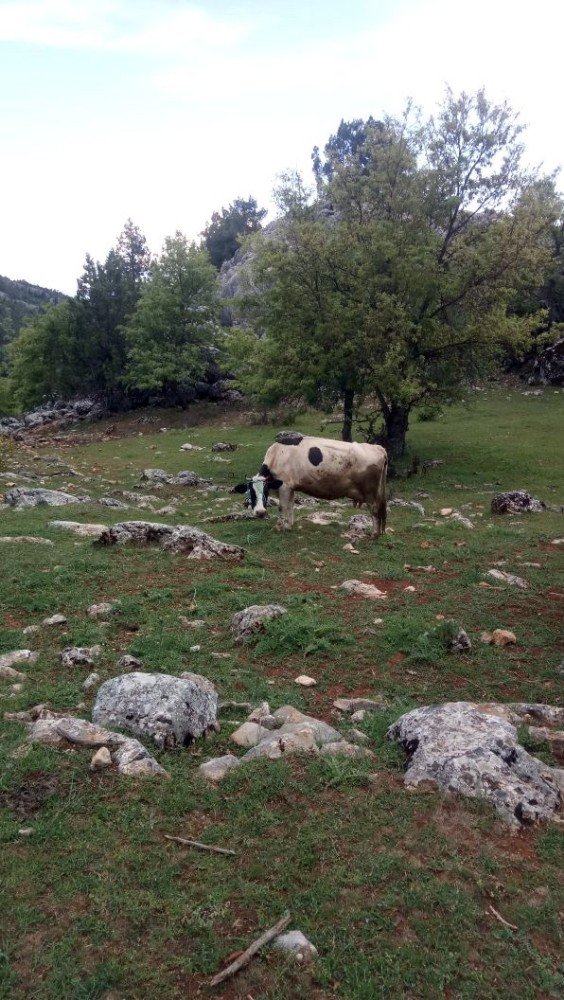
[315,456]
[264,471]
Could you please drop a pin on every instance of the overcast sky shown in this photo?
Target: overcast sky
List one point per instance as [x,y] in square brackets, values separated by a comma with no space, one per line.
[166,110]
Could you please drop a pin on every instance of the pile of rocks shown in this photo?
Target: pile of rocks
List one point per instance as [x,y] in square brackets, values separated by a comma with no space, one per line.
[279,734]
[69,412]
[186,478]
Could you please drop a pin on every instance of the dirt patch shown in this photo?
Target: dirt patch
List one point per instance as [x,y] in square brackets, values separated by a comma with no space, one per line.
[28,798]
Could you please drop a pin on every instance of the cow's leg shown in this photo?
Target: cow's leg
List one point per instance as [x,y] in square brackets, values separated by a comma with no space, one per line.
[286,502]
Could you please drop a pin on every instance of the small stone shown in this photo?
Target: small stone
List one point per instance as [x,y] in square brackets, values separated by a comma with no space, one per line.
[509,578]
[55,620]
[253,619]
[249,734]
[304,681]
[100,610]
[25,831]
[80,656]
[360,589]
[349,547]
[259,712]
[409,590]
[295,943]
[357,736]
[557,541]
[446,511]
[216,769]
[275,745]
[359,716]
[101,759]
[357,704]
[91,681]
[129,662]
[342,748]
[378,621]
[16,688]
[30,629]
[195,649]
[502,637]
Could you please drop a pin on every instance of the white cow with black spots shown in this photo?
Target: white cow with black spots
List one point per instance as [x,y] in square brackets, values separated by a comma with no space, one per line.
[320,468]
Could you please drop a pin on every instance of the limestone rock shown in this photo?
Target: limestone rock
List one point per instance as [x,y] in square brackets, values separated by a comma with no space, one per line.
[77,528]
[320,731]
[353,705]
[259,712]
[276,745]
[224,446]
[499,637]
[548,715]
[190,447]
[186,478]
[128,662]
[7,661]
[249,734]
[360,589]
[289,714]
[295,943]
[342,748]
[304,681]
[516,502]
[101,760]
[100,610]
[183,539]
[252,619]
[55,620]
[450,635]
[170,710]
[216,769]
[9,674]
[91,681]
[509,578]
[21,497]
[459,749]
[80,656]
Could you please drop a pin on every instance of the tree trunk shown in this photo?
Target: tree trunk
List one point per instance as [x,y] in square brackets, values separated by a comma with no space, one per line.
[397,422]
[348,400]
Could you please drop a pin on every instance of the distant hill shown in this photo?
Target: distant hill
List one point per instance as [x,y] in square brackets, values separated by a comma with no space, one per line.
[20,300]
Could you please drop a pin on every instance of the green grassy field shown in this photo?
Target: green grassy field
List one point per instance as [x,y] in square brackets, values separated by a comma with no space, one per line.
[393,887]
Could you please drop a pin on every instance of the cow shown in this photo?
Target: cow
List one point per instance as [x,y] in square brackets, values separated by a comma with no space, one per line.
[320,468]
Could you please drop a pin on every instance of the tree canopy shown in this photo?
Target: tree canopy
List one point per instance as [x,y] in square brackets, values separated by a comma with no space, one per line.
[222,237]
[402,291]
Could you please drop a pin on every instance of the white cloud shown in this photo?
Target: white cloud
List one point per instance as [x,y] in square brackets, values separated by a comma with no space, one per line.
[116,25]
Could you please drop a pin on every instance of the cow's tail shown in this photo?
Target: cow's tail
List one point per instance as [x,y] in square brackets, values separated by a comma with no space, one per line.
[381,505]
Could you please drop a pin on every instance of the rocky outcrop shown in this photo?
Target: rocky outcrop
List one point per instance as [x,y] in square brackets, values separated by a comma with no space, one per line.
[549,366]
[253,619]
[169,710]
[458,748]
[516,502]
[66,412]
[186,478]
[20,497]
[192,542]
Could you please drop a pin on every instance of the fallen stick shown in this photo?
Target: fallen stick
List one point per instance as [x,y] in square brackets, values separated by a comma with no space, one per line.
[501,919]
[201,847]
[249,953]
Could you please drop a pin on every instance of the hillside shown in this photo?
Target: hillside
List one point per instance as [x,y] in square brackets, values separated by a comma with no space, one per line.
[19,300]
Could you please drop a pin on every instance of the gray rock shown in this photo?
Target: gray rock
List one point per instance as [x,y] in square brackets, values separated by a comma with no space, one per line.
[82,530]
[249,734]
[100,610]
[216,769]
[457,748]
[549,366]
[30,539]
[21,497]
[342,748]
[252,619]
[80,656]
[189,541]
[55,620]
[398,502]
[353,705]
[516,502]
[185,478]
[101,760]
[450,636]
[7,660]
[322,733]
[91,681]
[295,943]
[275,746]
[170,710]
[289,437]
[509,578]
[224,446]
[127,663]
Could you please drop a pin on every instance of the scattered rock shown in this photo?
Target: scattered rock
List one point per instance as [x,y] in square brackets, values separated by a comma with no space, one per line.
[249,734]
[224,446]
[55,620]
[353,705]
[295,943]
[25,831]
[557,541]
[186,478]
[499,637]
[101,760]
[31,539]
[30,629]
[128,662]
[446,511]
[101,610]
[359,716]
[275,745]
[216,769]
[459,749]
[259,712]
[21,497]
[289,437]
[509,578]
[82,530]
[190,447]
[419,569]
[516,502]
[91,681]
[464,521]
[342,748]
[80,656]
[349,547]
[7,661]
[253,619]
[359,526]
[189,541]
[304,681]
[450,635]
[360,589]
[322,518]
[9,674]
[170,710]
[398,502]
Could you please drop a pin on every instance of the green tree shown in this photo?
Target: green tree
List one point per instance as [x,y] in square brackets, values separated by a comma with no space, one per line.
[174,325]
[49,357]
[222,237]
[403,294]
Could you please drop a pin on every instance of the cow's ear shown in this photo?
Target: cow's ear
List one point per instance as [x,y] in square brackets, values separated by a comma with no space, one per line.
[240,488]
[275,484]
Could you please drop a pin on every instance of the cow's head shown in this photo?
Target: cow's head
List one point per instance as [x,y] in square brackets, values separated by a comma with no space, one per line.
[256,490]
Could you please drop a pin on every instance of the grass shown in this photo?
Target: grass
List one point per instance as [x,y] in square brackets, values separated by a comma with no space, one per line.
[392,887]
